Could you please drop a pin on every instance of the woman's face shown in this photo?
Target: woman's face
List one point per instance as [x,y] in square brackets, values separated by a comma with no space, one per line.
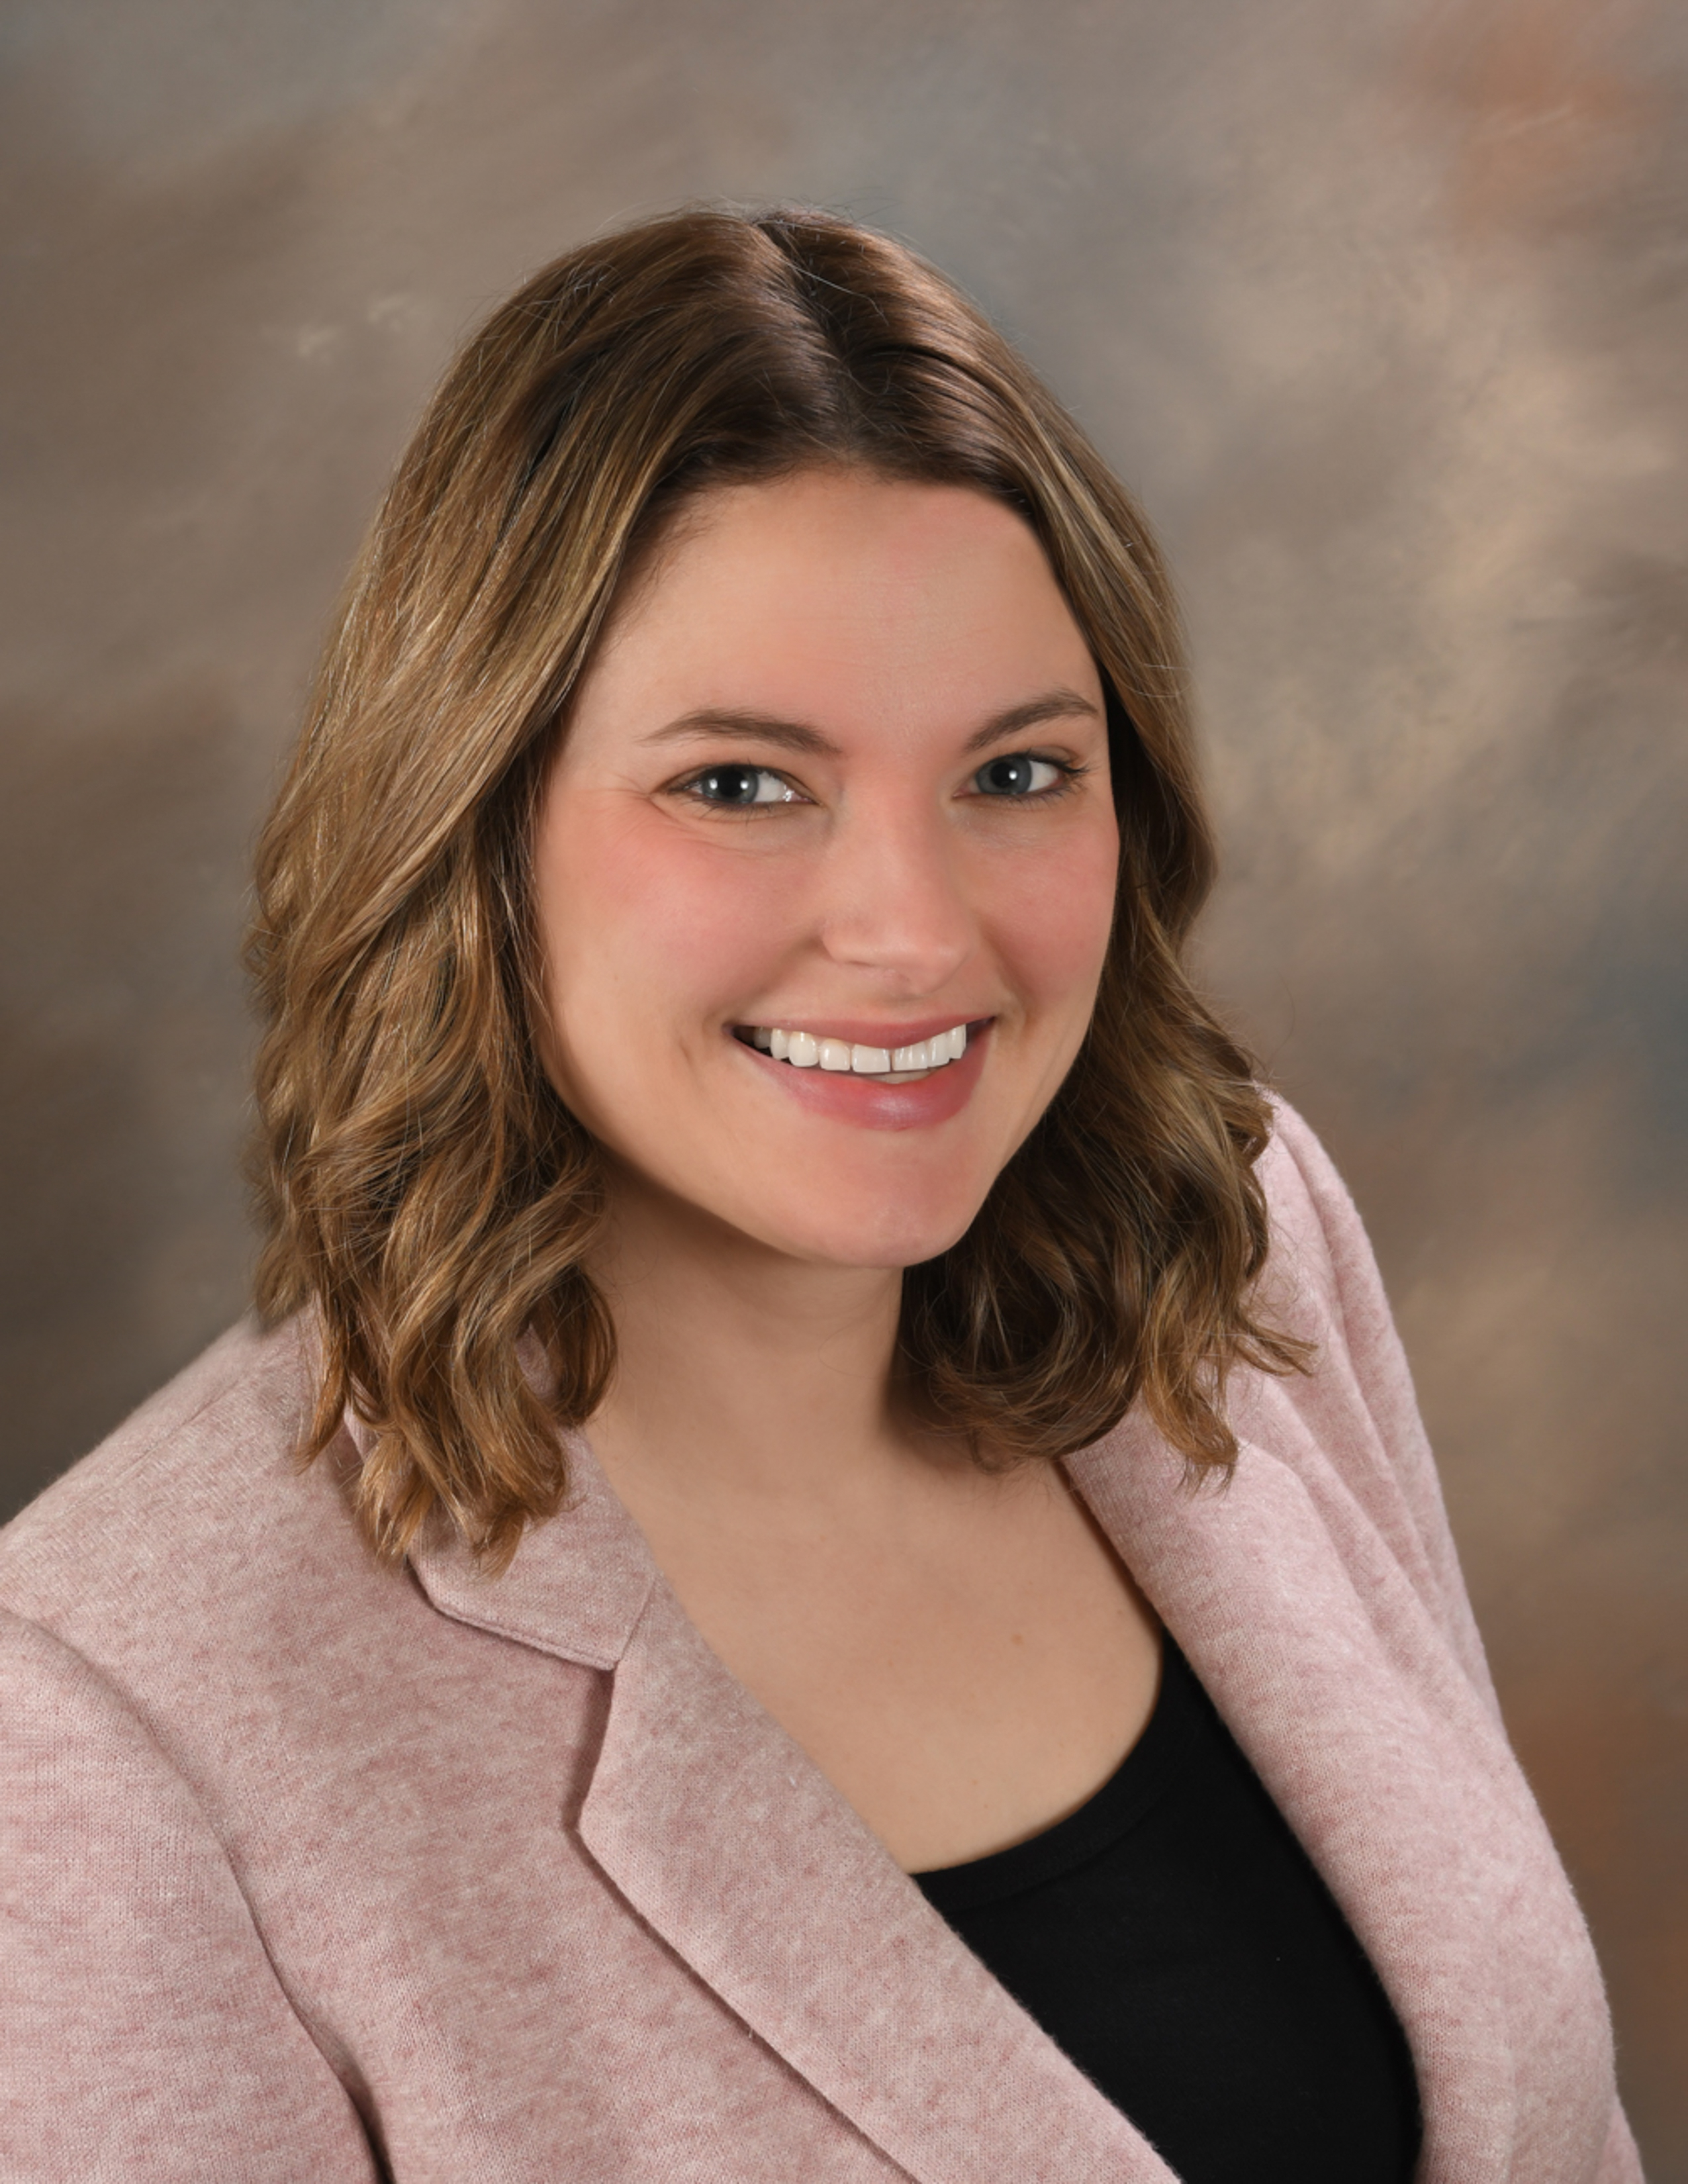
[834,787]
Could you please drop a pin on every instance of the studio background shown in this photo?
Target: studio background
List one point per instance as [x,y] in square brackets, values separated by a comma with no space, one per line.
[1381,307]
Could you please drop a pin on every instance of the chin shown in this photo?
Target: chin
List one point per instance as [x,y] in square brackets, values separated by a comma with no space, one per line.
[892,1234]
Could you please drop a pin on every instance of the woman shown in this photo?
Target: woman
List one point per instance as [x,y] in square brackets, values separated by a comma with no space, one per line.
[867,1597]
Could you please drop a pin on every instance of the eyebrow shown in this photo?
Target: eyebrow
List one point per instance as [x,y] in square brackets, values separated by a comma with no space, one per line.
[1061,705]
[1053,706]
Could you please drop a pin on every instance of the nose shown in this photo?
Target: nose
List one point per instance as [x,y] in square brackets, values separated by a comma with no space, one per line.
[893,898]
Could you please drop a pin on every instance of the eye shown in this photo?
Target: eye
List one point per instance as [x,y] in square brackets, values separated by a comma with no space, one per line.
[1019,774]
[739,787]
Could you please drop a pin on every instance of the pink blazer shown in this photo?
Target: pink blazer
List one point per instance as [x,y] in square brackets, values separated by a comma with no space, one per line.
[319,1872]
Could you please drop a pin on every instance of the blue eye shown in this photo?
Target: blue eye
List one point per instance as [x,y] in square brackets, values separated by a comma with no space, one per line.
[741,786]
[1018,774]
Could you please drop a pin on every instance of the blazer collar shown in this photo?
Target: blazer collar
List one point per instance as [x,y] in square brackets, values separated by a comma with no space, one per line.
[577,1585]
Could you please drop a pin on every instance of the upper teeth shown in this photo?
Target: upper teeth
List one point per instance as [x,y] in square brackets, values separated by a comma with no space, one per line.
[805,1052]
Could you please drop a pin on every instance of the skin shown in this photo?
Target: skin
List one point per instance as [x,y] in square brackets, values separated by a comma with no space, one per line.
[962,1654]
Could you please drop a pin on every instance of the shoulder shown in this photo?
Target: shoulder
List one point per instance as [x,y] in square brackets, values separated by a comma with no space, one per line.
[1322,1277]
[1318,1241]
[194,1535]
[217,1587]
[1350,1427]
[213,1452]
[1321,1283]
[190,1593]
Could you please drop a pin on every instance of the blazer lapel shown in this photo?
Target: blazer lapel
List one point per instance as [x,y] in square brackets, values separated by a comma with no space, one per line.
[726,1839]
[1325,1691]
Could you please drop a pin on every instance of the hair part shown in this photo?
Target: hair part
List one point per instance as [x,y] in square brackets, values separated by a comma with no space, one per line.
[421,1185]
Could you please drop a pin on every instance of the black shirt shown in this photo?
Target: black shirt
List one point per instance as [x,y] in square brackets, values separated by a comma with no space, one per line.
[1173,1938]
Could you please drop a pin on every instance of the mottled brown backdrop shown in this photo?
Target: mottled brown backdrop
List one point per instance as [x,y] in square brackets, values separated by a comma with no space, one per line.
[1380,305]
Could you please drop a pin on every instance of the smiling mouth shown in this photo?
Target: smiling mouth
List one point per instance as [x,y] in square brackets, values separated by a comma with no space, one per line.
[890,1065]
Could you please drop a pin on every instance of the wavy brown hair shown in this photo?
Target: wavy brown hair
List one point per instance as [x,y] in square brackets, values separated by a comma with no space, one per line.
[421,1184]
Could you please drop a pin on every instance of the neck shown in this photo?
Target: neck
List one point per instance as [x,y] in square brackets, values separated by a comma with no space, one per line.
[740,1370]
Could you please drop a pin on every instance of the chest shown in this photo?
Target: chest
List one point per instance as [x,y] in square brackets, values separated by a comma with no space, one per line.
[963,1668]
[695,1895]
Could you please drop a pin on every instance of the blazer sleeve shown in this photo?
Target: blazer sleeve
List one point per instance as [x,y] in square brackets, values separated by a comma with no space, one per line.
[1358,1345]
[144,2036]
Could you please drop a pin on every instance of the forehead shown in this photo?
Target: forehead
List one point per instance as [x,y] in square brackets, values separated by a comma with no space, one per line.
[831,594]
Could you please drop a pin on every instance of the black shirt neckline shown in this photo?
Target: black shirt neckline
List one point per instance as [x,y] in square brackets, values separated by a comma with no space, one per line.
[1142,1779]
[1175,1940]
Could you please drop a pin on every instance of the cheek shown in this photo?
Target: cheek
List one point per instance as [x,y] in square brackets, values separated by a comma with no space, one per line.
[644,922]
[1053,918]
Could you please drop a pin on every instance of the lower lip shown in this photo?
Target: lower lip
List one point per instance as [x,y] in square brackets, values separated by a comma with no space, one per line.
[868,1101]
